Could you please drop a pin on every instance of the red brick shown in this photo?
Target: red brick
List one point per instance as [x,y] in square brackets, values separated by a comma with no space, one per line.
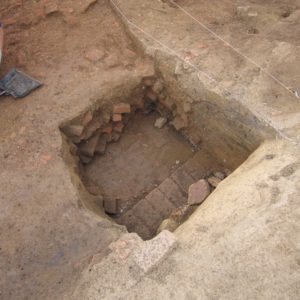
[183,179]
[122,108]
[172,191]
[146,213]
[160,203]
[117,117]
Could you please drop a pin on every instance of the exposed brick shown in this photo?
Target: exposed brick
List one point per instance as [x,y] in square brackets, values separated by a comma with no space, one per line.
[160,203]
[198,192]
[122,108]
[117,117]
[183,179]
[90,129]
[146,213]
[172,191]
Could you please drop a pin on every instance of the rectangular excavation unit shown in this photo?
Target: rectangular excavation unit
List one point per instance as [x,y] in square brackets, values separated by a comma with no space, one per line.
[149,169]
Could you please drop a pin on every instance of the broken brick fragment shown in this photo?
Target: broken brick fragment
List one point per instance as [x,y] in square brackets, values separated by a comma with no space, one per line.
[90,129]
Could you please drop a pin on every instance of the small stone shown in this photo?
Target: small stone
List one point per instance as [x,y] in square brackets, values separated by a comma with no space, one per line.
[73,130]
[158,86]
[168,224]
[122,108]
[111,206]
[151,253]
[214,181]
[119,126]
[117,117]
[94,54]
[198,192]
[219,175]
[160,123]
[88,148]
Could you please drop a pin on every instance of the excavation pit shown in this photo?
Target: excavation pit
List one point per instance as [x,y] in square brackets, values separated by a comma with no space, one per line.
[140,163]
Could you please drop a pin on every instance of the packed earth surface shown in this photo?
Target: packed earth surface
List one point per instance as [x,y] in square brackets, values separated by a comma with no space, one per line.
[160,159]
